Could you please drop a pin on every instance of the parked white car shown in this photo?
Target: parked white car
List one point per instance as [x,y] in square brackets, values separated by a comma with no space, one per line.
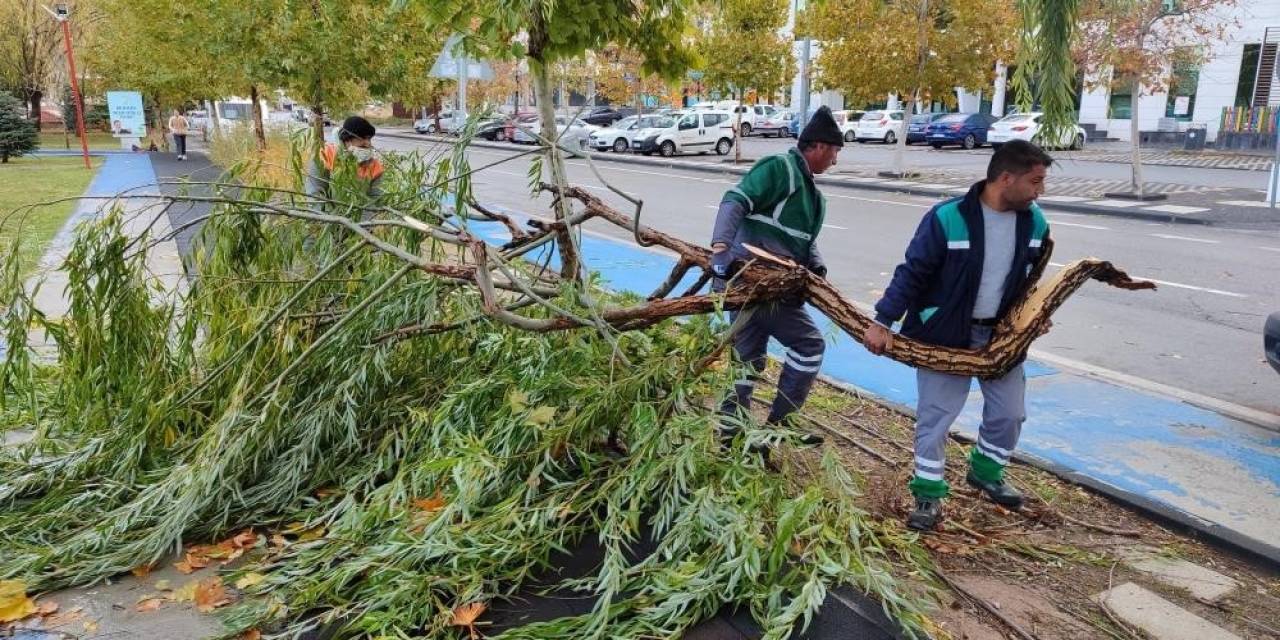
[449,122]
[1026,126]
[692,132]
[847,120]
[759,118]
[618,137]
[573,132]
[883,125]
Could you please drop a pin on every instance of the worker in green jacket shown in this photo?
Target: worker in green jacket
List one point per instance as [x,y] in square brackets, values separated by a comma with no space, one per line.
[777,207]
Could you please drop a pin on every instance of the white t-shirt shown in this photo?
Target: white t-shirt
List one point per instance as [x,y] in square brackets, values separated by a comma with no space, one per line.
[1000,229]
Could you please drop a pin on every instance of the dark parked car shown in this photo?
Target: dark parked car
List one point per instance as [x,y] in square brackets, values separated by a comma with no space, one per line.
[1271,340]
[968,130]
[605,116]
[495,129]
[916,128]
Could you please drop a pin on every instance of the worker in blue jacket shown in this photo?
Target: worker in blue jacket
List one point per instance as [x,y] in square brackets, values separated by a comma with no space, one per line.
[971,259]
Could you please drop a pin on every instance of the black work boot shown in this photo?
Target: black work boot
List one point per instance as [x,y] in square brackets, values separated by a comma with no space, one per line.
[998,492]
[927,514]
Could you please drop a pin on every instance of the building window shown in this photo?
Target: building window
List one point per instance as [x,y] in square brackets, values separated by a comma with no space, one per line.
[1182,88]
[1248,75]
[1120,105]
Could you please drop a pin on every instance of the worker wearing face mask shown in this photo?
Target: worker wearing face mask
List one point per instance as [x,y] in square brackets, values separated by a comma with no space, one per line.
[355,145]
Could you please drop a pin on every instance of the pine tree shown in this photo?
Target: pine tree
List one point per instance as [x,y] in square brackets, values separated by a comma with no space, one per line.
[17,134]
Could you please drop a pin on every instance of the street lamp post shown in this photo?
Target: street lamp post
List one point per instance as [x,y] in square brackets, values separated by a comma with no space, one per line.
[60,13]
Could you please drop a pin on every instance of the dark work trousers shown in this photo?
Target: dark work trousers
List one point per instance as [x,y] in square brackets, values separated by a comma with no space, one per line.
[791,325]
[180,141]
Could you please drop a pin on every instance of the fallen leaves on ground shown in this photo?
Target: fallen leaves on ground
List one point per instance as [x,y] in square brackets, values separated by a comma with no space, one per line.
[465,616]
[142,571]
[252,634]
[249,579]
[148,604]
[211,594]
[186,593]
[14,603]
[199,556]
[429,505]
[63,618]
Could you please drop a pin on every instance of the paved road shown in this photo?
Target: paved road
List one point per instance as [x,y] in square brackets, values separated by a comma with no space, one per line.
[1200,332]
[1073,165]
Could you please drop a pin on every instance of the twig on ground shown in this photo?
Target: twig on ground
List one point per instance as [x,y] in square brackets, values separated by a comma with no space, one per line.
[987,606]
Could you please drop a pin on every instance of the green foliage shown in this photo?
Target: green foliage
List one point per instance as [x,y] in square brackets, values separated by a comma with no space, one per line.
[872,48]
[742,49]
[17,135]
[265,394]
[1046,73]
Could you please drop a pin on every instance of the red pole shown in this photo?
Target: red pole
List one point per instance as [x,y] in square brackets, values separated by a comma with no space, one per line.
[75,95]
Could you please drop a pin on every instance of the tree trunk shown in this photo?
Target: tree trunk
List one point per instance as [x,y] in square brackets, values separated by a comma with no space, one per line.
[259,133]
[36,97]
[737,129]
[569,265]
[1136,138]
[211,106]
[900,146]
[317,124]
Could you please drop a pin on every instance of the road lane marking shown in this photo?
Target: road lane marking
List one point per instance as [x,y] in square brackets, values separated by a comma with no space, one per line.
[1175,209]
[1173,237]
[1276,249]
[1059,223]
[1177,285]
[833,226]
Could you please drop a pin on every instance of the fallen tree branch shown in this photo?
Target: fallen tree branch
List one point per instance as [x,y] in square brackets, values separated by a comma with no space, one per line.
[1026,321]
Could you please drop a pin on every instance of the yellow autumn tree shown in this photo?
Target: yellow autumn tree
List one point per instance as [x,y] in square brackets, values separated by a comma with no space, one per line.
[917,49]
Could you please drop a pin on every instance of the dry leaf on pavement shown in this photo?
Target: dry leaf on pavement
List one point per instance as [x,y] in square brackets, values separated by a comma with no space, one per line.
[142,571]
[211,594]
[249,579]
[14,603]
[148,604]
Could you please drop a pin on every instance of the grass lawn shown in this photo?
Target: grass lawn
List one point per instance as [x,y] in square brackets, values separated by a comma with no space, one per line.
[55,141]
[25,181]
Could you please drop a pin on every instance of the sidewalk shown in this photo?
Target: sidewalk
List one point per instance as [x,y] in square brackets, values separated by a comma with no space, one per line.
[1213,474]
[1234,207]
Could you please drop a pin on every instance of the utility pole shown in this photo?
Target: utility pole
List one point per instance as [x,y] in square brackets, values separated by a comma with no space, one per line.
[806,51]
[60,13]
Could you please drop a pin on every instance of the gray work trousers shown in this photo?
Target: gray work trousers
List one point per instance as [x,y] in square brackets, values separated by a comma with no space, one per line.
[792,326]
[942,397]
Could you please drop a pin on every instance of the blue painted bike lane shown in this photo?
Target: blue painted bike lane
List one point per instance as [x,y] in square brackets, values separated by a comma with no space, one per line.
[1198,468]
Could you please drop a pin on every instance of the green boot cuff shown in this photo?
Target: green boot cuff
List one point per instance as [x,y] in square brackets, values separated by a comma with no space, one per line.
[985,468]
[922,488]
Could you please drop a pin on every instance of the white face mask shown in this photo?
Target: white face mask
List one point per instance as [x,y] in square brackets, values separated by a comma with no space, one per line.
[361,154]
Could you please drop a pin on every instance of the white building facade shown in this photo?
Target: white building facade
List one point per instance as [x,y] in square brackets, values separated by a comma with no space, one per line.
[1228,78]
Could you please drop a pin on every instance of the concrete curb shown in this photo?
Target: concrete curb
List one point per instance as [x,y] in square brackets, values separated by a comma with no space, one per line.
[834,181]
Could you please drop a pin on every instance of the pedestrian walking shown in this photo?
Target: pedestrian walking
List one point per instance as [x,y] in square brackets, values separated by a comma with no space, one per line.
[970,260]
[778,208]
[179,127]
